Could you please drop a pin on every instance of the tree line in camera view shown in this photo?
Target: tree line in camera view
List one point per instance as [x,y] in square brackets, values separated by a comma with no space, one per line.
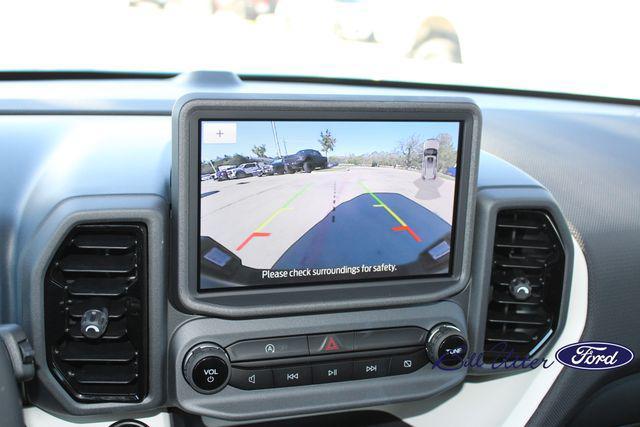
[408,154]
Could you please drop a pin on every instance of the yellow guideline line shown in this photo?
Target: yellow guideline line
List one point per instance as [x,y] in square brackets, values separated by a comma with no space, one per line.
[273,215]
[284,207]
[382,204]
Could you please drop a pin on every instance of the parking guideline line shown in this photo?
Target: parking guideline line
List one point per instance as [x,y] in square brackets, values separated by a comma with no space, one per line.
[251,236]
[271,218]
[257,232]
[381,204]
[283,208]
[295,196]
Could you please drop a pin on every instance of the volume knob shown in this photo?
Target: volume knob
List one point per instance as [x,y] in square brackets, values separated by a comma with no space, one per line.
[446,345]
[206,368]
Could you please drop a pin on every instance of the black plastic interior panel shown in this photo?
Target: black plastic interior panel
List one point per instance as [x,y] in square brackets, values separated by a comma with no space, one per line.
[343,419]
[527,281]
[99,267]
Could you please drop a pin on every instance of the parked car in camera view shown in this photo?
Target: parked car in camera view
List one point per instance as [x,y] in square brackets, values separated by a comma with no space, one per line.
[267,168]
[304,160]
[245,170]
[278,166]
[222,172]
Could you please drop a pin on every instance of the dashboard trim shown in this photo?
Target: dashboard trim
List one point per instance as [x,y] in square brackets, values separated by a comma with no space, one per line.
[47,392]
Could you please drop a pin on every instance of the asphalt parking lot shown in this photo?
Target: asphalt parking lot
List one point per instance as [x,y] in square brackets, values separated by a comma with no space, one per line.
[260,218]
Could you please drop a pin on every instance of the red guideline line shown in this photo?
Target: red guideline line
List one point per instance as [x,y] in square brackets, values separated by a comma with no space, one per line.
[409,230]
[251,236]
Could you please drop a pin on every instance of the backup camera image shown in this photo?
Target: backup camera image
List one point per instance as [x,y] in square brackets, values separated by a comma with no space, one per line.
[311,201]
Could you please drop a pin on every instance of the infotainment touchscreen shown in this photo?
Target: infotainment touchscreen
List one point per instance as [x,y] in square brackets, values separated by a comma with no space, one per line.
[302,202]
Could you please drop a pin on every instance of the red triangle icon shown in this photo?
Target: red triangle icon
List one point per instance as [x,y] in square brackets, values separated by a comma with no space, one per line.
[331,345]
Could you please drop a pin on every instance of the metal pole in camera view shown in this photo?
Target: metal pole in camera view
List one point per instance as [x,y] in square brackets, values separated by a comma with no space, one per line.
[275,138]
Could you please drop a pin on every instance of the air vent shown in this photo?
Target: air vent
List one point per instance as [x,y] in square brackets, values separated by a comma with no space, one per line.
[99,268]
[526,285]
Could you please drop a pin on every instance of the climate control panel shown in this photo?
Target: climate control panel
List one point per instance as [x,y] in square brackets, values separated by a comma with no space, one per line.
[321,358]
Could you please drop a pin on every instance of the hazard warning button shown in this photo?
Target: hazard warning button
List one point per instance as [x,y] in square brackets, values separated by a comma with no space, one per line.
[331,343]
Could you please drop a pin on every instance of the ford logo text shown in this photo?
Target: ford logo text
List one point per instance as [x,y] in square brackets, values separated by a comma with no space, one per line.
[594,355]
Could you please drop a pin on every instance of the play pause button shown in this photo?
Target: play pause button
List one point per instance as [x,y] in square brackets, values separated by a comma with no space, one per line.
[370,368]
[332,372]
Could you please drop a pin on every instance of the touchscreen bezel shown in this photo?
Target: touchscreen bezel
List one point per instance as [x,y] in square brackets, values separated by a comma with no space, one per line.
[318,296]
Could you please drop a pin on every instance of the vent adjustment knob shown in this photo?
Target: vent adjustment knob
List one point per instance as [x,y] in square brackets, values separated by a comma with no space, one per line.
[446,345]
[206,368]
[94,322]
[520,288]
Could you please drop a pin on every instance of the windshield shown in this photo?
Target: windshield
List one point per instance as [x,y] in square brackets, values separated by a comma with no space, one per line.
[572,47]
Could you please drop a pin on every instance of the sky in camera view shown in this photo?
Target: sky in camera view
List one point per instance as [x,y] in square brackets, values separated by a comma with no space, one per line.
[351,137]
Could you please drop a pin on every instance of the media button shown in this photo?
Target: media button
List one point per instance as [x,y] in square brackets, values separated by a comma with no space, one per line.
[272,348]
[292,376]
[370,368]
[251,379]
[406,363]
[332,372]
[331,343]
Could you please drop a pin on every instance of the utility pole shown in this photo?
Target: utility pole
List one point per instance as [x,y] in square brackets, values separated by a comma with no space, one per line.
[275,138]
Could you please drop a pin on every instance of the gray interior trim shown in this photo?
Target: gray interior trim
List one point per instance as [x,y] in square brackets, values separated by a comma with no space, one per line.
[235,404]
[151,210]
[10,400]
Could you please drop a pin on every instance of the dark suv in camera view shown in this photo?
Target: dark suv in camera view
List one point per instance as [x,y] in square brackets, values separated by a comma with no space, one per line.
[304,160]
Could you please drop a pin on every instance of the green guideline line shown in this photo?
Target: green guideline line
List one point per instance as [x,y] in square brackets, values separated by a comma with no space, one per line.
[382,204]
[295,196]
[283,208]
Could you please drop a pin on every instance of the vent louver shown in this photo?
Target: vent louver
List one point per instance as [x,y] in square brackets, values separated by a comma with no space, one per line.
[526,285]
[99,267]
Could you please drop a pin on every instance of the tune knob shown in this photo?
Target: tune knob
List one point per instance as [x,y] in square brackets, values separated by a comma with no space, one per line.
[446,345]
[94,322]
[206,368]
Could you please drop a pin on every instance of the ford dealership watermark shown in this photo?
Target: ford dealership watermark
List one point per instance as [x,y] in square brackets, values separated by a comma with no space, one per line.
[594,355]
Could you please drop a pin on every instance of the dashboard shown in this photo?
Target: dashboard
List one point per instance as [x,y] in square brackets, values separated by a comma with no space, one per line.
[243,250]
